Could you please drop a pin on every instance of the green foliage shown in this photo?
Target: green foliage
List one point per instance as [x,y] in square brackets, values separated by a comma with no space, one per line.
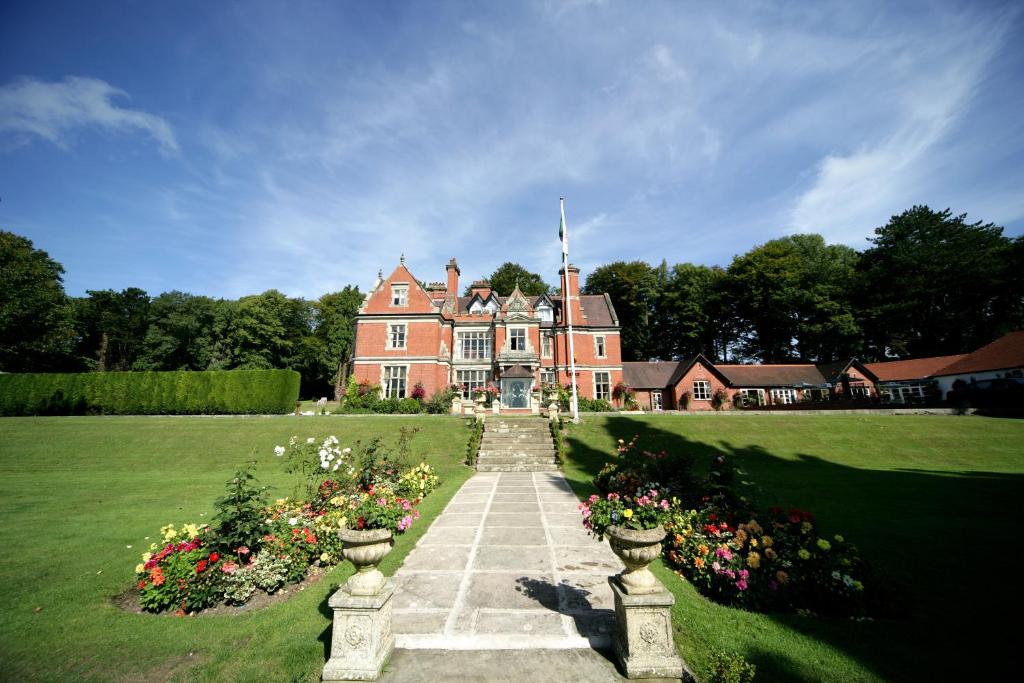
[476,433]
[933,284]
[558,438]
[150,393]
[594,405]
[240,513]
[731,667]
[441,402]
[35,314]
[508,275]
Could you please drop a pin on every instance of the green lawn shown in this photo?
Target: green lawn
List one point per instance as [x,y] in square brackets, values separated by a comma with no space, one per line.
[932,501]
[75,492]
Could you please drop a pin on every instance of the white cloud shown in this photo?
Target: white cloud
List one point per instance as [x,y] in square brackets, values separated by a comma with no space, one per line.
[52,111]
[931,86]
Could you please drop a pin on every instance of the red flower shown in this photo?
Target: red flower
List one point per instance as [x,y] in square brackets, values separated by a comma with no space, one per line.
[201,566]
[360,523]
[214,557]
[142,584]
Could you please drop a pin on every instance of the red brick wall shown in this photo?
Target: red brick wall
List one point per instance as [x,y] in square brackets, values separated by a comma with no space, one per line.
[699,371]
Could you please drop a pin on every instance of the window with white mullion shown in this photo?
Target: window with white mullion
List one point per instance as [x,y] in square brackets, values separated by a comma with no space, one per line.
[474,345]
[471,380]
[396,336]
[517,339]
[395,377]
[701,390]
[602,386]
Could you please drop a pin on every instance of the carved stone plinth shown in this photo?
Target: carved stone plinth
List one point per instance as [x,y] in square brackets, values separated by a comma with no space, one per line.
[361,639]
[643,641]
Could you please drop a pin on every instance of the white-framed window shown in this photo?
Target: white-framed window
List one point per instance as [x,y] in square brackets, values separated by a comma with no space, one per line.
[548,376]
[546,313]
[783,396]
[752,397]
[599,349]
[546,345]
[474,345]
[701,390]
[471,380]
[396,336]
[603,386]
[399,295]
[517,339]
[395,378]
[656,400]
[860,392]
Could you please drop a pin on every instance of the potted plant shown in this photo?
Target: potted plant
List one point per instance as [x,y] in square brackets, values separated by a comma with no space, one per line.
[375,518]
[635,527]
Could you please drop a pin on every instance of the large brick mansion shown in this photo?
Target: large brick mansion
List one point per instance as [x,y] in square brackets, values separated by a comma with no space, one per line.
[407,334]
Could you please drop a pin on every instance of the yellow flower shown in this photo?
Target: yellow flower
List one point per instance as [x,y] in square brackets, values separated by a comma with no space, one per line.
[839,539]
[627,513]
[753,543]
[803,554]
[753,560]
[146,557]
[139,569]
[770,554]
[767,540]
[823,544]
[858,586]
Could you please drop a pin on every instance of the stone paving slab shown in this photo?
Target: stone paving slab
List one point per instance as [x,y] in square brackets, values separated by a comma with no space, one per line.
[506,566]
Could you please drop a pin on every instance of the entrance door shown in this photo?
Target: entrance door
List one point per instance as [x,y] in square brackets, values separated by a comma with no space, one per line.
[515,393]
[656,400]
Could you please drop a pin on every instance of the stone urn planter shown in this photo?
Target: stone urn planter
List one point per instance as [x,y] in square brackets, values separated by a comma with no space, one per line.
[637,548]
[365,548]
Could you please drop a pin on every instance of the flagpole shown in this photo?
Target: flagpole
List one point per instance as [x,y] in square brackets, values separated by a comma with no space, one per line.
[568,310]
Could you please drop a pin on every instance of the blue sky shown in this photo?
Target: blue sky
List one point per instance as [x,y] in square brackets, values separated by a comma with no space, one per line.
[228,148]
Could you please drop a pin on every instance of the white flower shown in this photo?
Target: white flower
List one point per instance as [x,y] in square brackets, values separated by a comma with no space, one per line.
[336,466]
[835,575]
[127,546]
[346,451]
[309,440]
[323,452]
[279,451]
[293,521]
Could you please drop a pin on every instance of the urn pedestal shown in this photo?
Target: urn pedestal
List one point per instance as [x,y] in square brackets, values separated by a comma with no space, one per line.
[643,642]
[362,640]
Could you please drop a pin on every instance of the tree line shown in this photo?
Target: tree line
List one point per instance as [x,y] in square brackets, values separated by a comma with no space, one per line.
[930,283]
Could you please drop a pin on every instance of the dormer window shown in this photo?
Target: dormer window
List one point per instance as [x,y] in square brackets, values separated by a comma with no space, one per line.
[545,312]
[399,295]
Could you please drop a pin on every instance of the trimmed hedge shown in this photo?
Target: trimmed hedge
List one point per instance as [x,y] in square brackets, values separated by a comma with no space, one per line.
[225,392]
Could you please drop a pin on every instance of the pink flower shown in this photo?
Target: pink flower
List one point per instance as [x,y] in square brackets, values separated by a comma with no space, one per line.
[382,502]
[644,500]
[664,504]
[741,584]
[717,567]
[228,567]
[244,550]
[406,505]
[723,553]
[744,574]
[653,493]
[593,498]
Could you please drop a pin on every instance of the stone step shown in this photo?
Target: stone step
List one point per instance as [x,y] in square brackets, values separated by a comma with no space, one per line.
[517,467]
[516,454]
[531,441]
[515,458]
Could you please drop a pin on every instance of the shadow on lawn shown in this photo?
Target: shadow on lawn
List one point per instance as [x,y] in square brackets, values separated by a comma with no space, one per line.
[925,531]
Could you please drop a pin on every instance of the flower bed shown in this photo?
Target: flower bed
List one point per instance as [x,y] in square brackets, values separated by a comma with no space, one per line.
[772,560]
[261,546]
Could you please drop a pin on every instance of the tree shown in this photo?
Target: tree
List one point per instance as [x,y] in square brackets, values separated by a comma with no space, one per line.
[111,328]
[934,284]
[35,313]
[267,329]
[182,333]
[508,275]
[693,314]
[633,289]
[335,327]
[791,296]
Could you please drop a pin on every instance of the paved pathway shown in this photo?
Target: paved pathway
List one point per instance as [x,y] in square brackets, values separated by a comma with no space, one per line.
[507,565]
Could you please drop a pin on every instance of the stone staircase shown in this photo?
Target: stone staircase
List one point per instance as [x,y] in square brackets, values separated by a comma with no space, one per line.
[516,445]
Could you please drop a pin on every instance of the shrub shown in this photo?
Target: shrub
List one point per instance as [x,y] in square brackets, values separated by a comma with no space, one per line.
[476,434]
[410,406]
[731,667]
[418,482]
[240,513]
[593,405]
[150,393]
[182,573]
[441,402]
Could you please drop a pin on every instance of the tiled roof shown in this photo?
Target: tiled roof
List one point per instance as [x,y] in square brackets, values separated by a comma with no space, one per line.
[517,371]
[1002,354]
[648,374]
[911,369]
[595,306]
[771,375]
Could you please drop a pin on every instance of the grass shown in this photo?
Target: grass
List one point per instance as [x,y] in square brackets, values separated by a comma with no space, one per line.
[932,501]
[76,492]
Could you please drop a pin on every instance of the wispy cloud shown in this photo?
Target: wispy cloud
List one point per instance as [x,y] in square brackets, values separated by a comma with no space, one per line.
[53,110]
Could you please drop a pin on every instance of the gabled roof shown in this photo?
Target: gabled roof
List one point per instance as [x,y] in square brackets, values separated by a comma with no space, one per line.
[517,371]
[1004,353]
[684,367]
[911,369]
[648,374]
[772,375]
[833,372]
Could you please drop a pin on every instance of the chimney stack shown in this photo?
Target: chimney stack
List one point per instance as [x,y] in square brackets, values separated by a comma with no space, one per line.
[572,296]
[453,277]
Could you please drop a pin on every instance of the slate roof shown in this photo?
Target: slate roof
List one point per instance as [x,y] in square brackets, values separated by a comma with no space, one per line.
[911,369]
[517,371]
[597,307]
[1003,354]
[772,375]
[648,374]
